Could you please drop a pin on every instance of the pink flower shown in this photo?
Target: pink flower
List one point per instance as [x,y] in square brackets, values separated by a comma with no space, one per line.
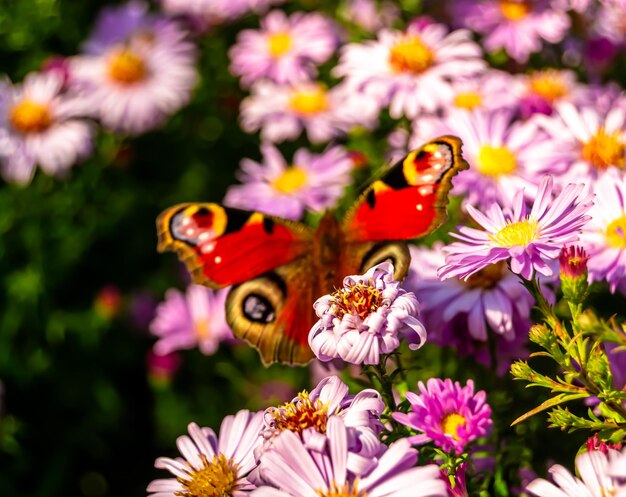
[412,72]
[366,318]
[41,124]
[447,414]
[313,182]
[530,240]
[228,460]
[196,318]
[285,49]
[517,26]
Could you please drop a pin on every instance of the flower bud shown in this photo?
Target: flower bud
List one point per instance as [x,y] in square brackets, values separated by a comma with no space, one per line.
[573,267]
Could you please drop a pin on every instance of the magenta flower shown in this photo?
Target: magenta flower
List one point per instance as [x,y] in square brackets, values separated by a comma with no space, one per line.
[540,91]
[587,142]
[135,83]
[504,155]
[282,112]
[292,469]
[366,318]
[573,262]
[285,49]
[604,236]
[411,72]
[313,182]
[222,463]
[529,240]
[447,414]
[196,318]
[309,413]
[41,124]
[601,475]
[517,26]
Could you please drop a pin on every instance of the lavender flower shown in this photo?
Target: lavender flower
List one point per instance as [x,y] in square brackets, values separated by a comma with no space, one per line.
[447,414]
[528,239]
[196,318]
[313,182]
[291,468]
[366,318]
[222,464]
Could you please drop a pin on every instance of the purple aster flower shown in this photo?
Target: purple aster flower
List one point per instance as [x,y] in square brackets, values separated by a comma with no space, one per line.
[517,26]
[285,49]
[313,182]
[41,124]
[610,20]
[604,236]
[309,413]
[489,91]
[366,318]
[292,469]
[447,414]
[540,91]
[282,112]
[222,464]
[492,298]
[587,142]
[412,72]
[136,83]
[206,14]
[596,477]
[195,318]
[504,155]
[371,16]
[528,239]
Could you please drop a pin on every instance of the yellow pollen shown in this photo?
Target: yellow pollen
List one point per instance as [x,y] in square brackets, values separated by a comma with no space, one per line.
[310,101]
[359,299]
[514,11]
[604,150]
[520,233]
[495,161]
[279,44]
[347,490]
[30,117]
[291,180]
[488,277]
[548,84]
[301,414]
[217,478]
[468,100]
[126,68]
[411,54]
[616,233]
[451,423]
[202,328]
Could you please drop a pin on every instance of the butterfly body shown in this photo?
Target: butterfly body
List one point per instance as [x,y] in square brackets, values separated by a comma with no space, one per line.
[278,268]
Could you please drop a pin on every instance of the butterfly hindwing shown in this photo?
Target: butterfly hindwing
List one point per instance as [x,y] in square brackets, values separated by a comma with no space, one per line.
[274,312]
[410,200]
[222,246]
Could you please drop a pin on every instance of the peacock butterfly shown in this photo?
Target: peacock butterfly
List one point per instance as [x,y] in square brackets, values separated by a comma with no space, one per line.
[277,268]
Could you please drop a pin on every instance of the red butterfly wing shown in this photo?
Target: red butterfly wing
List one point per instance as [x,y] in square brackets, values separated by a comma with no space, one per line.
[223,246]
[410,200]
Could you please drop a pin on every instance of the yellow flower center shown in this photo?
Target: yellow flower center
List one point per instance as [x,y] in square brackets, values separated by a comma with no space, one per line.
[217,478]
[411,54]
[30,117]
[126,68]
[310,101]
[604,150]
[514,11]
[616,233]
[202,328]
[291,180]
[488,277]
[347,490]
[520,233]
[495,161]
[301,414]
[358,299]
[468,100]
[548,84]
[279,43]
[451,423]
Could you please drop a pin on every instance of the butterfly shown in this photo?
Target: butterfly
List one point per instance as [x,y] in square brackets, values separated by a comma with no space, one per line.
[278,268]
